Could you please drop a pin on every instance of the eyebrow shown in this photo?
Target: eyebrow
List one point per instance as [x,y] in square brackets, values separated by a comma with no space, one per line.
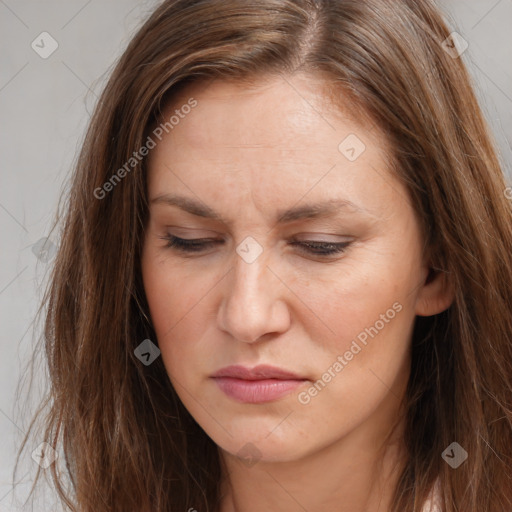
[327,208]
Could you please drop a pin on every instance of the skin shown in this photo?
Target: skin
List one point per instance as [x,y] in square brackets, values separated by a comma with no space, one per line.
[247,153]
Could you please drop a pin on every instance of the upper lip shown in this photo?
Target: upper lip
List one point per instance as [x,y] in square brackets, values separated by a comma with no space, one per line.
[259,372]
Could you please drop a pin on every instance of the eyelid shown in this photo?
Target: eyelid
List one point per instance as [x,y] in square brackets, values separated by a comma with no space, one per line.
[321,237]
[302,237]
[324,250]
[193,233]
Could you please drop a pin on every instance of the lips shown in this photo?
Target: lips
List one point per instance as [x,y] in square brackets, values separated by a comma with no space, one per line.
[260,384]
[257,373]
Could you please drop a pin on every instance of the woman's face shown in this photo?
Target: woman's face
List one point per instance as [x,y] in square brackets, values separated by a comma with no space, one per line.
[303,253]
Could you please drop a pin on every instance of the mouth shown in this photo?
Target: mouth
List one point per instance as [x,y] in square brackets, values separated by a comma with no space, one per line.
[260,384]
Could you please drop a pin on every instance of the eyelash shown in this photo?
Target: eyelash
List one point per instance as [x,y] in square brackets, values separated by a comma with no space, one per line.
[200,244]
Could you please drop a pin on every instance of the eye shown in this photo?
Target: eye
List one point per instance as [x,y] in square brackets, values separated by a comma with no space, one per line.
[318,248]
[196,245]
[190,245]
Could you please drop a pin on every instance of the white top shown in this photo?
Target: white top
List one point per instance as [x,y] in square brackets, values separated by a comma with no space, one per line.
[433,503]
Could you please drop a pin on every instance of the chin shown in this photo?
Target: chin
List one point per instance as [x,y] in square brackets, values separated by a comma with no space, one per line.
[252,444]
[251,452]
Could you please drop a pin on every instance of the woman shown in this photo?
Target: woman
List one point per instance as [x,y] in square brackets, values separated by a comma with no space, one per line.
[285,271]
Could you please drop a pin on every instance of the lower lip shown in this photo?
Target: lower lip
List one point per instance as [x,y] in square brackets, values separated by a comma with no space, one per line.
[256,391]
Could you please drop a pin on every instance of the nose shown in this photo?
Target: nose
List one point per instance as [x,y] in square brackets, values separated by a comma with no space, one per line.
[253,302]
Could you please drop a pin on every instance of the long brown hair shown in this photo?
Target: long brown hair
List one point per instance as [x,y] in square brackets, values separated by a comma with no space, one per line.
[128,442]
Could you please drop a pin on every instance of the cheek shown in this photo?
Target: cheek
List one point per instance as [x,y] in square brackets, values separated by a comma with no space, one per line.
[171,290]
[179,306]
[371,345]
[371,311]
[354,296]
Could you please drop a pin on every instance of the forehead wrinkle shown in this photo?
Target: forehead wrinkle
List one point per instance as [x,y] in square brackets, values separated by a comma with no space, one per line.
[328,208]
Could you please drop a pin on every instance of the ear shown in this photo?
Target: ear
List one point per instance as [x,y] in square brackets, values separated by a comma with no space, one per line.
[436,294]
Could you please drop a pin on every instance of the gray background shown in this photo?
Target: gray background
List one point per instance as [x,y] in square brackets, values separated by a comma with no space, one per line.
[45,105]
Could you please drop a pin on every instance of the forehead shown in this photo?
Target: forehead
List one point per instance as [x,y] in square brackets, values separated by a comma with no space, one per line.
[272,141]
[273,112]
